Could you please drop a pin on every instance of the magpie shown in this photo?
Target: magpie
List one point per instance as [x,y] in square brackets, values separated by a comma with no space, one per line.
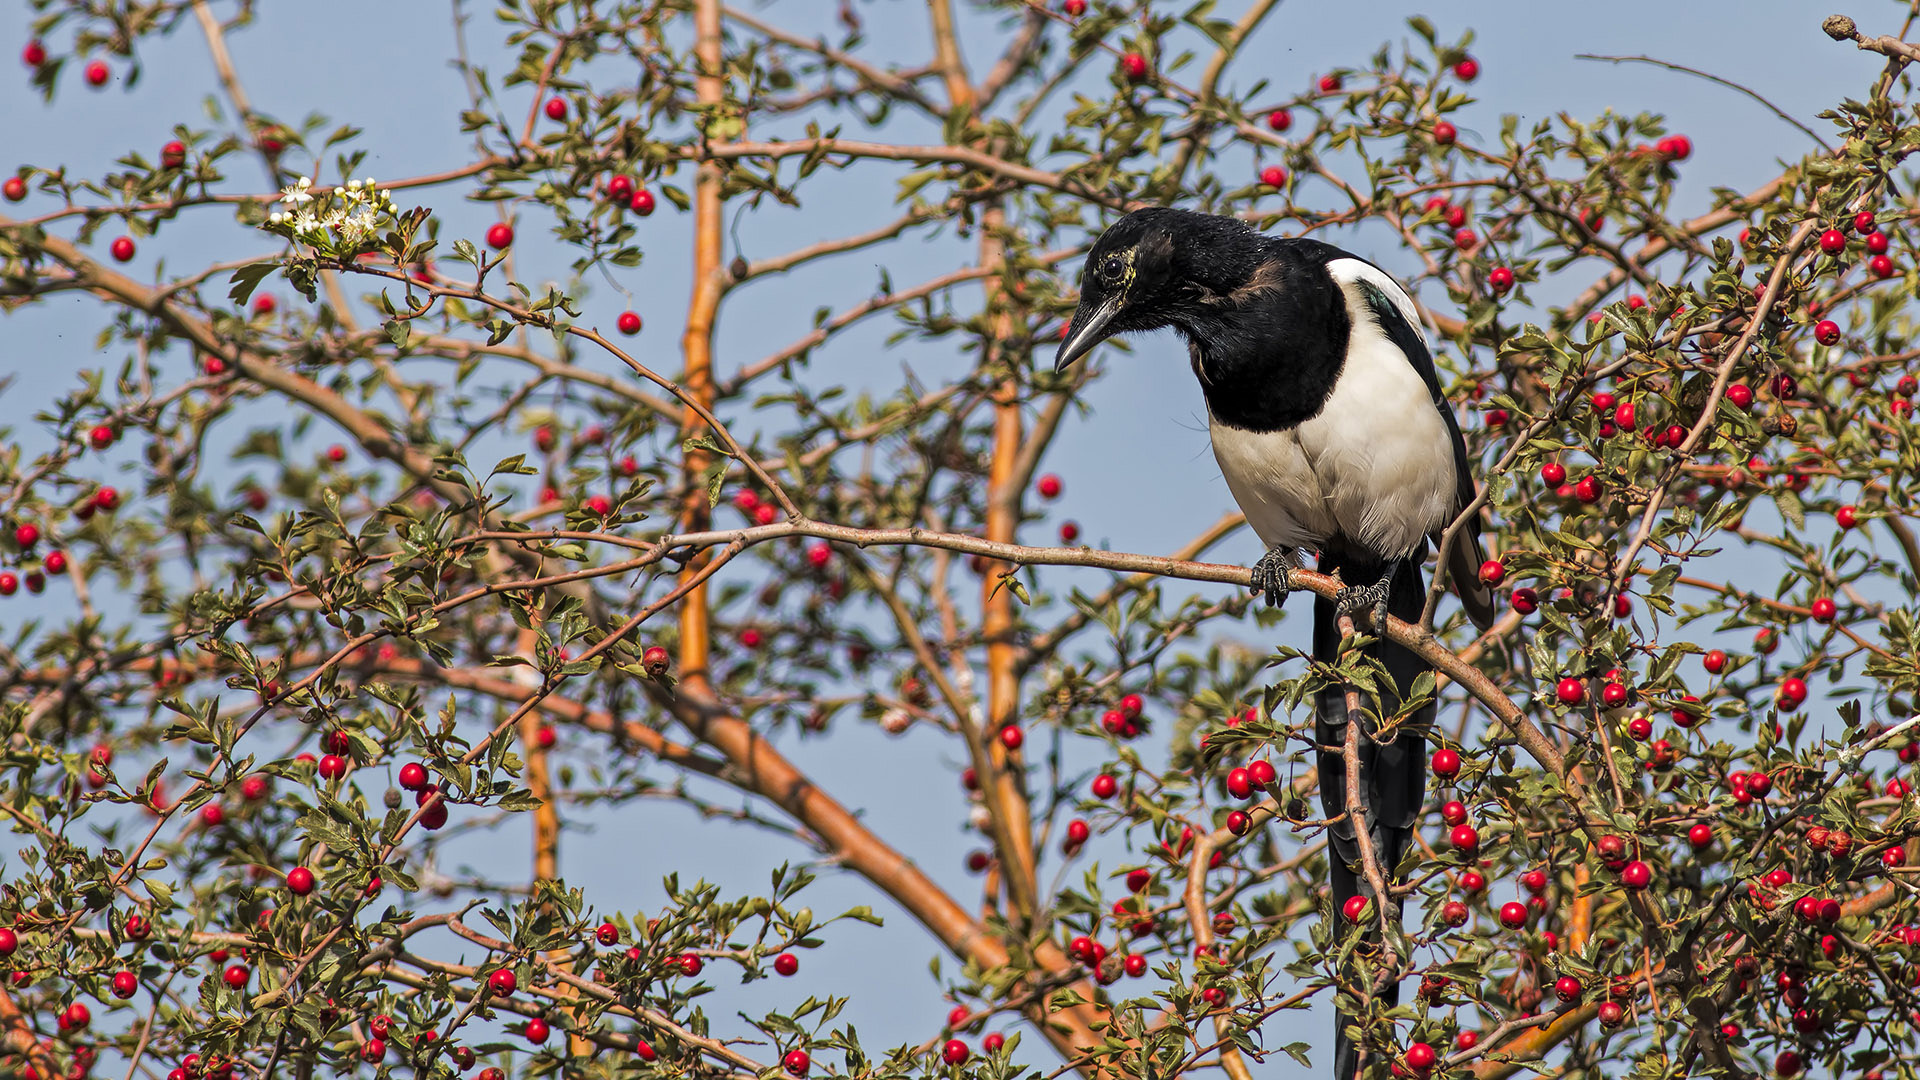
[1330,429]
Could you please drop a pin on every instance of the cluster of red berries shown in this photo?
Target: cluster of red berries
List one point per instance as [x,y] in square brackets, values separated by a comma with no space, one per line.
[1125,722]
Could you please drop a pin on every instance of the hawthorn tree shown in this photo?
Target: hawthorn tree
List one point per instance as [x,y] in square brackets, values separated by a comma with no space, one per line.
[318,555]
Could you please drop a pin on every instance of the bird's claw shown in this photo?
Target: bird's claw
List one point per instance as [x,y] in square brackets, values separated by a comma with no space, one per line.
[1272,576]
[1363,597]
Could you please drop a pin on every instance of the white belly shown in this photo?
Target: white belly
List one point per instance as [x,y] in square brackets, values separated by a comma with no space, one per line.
[1374,466]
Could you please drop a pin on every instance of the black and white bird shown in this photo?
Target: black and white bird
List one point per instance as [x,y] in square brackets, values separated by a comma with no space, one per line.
[1329,426]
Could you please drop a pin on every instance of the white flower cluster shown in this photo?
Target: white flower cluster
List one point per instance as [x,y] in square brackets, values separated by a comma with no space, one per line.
[347,216]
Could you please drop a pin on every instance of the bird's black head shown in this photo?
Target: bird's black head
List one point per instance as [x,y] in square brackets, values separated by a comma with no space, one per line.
[1159,267]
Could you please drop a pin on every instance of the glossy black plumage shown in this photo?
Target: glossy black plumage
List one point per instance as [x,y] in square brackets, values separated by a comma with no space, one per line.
[1311,364]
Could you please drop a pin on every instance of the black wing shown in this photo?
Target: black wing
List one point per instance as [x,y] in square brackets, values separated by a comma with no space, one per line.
[1462,561]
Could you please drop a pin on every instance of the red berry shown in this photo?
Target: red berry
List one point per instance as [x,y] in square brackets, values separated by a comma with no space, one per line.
[607,934]
[124,984]
[1049,486]
[1467,69]
[1680,148]
[629,323]
[1355,909]
[1640,729]
[1568,989]
[503,982]
[300,881]
[1881,265]
[1465,238]
[1472,883]
[1787,1064]
[1273,176]
[1454,812]
[1493,572]
[1238,822]
[1465,839]
[413,776]
[9,941]
[1588,490]
[1636,875]
[1011,737]
[1446,764]
[556,108]
[786,964]
[236,975]
[1500,279]
[1513,915]
[1613,695]
[1715,662]
[1454,913]
[1877,243]
[1444,133]
[1833,240]
[620,188]
[1700,836]
[1553,474]
[1135,66]
[642,203]
[1329,84]
[213,815]
[1894,857]
[121,248]
[1279,119]
[500,235]
[1826,332]
[98,73]
[1240,784]
[34,54]
[796,1062]
[1074,8]
[1846,517]
[1863,221]
[1077,833]
[333,767]
[1105,787]
[537,1030]
[1824,610]
[173,155]
[1792,693]
[1526,601]
[1571,691]
[14,189]
[954,1052]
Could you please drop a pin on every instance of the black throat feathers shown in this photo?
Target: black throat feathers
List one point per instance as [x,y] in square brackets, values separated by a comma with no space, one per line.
[1267,355]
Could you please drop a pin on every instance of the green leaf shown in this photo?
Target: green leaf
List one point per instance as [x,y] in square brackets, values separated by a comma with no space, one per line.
[248,278]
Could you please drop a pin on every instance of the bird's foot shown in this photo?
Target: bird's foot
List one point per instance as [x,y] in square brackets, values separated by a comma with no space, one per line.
[1367,598]
[1272,576]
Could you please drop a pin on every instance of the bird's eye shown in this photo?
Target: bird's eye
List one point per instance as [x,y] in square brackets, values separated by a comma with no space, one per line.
[1112,269]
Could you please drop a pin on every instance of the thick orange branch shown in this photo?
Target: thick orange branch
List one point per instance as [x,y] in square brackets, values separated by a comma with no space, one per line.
[697,342]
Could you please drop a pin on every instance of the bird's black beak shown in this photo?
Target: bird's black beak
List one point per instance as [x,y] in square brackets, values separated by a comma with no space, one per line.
[1088,328]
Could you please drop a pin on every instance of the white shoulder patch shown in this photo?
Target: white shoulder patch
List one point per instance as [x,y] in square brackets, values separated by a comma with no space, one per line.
[1350,271]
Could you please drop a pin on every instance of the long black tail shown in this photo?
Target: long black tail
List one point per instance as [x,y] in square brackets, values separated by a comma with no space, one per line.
[1393,777]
